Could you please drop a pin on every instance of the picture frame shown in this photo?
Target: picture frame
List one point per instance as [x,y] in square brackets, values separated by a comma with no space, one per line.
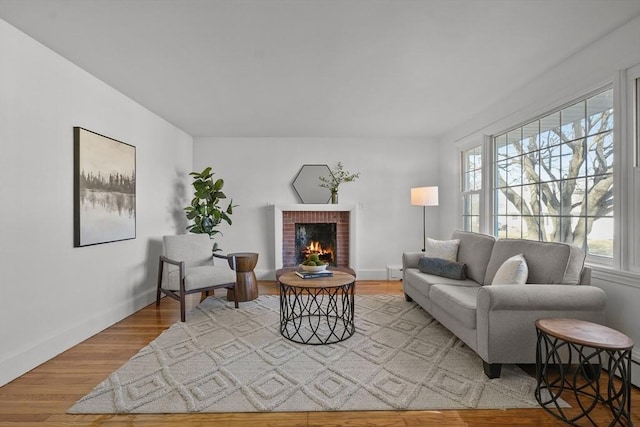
[104,196]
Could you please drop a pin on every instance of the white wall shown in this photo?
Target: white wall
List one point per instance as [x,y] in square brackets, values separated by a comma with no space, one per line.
[602,63]
[587,70]
[53,295]
[62,295]
[258,173]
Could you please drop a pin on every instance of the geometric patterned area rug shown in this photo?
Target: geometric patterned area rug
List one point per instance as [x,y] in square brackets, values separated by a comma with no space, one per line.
[224,359]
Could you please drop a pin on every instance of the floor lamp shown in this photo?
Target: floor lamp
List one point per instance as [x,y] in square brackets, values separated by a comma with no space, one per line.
[424,196]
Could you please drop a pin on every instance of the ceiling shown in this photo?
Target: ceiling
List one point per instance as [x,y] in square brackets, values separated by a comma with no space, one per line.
[317,68]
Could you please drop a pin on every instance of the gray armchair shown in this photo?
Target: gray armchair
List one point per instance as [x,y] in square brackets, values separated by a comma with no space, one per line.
[187,267]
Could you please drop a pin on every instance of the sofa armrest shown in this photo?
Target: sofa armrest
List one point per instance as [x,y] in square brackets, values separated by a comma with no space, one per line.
[532,297]
[410,259]
[506,316]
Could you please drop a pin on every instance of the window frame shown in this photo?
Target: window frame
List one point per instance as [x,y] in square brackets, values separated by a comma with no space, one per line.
[626,246]
[628,180]
[469,193]
[492,161]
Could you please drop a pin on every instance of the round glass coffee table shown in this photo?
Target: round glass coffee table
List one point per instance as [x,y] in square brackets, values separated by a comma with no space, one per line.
[318,310]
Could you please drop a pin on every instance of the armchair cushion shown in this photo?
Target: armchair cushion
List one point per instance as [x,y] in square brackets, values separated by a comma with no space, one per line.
[194,249]
[191,255]
[200,277]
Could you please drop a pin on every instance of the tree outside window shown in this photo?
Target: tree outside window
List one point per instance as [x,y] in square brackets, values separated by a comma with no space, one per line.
[553,177]
[471,188]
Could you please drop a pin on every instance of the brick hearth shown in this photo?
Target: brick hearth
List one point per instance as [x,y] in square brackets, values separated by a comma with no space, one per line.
[291,218]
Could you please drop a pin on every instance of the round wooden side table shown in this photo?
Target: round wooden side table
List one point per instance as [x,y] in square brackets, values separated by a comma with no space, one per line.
[559,341]
[246,282]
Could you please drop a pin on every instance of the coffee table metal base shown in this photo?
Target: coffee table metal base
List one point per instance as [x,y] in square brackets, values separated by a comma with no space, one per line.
[317,315]
[557,349]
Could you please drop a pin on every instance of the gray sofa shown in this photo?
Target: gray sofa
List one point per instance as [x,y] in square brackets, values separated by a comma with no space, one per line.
[498,321]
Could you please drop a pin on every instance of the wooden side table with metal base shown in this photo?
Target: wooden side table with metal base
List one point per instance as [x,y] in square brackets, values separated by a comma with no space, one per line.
[561,339]
[246,282]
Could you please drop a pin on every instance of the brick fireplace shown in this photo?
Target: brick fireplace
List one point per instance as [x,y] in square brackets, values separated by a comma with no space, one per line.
[287,216]
[289,220]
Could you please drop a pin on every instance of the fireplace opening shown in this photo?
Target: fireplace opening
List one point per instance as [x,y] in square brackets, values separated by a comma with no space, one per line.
[341,245]
[316,238]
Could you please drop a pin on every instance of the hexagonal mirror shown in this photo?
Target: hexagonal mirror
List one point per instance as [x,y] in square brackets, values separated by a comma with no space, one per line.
[307,184]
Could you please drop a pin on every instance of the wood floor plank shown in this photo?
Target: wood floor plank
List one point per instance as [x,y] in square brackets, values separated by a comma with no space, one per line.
[42,397]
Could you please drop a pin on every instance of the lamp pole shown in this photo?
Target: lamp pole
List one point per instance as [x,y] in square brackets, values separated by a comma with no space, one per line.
[424,228]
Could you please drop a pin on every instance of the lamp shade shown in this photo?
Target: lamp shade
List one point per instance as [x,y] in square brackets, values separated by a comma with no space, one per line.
[424,196]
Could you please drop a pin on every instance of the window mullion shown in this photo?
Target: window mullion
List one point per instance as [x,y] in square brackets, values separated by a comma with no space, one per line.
[571,173]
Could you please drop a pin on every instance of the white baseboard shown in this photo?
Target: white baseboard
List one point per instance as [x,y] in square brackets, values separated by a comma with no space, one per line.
[371,274]
[262,274]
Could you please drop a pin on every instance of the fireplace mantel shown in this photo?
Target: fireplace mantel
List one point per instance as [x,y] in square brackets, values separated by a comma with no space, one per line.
[316,207]
[277,218]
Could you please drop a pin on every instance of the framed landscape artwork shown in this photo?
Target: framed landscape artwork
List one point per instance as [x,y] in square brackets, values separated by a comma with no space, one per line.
[104,184]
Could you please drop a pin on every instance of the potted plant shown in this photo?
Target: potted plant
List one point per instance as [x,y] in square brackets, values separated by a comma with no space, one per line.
[205,210]
[338,176]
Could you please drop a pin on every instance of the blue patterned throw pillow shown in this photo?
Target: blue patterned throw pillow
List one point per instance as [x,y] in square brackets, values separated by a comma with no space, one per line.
[442,267]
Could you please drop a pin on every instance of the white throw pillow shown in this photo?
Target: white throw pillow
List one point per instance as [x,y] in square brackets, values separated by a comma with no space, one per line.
[444,249]
[513,271]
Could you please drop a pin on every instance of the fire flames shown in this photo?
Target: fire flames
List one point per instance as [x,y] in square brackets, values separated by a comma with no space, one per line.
[316,248]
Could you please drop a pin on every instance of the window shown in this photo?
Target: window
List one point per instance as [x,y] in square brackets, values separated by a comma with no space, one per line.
[553,177]
[471,188]
[637,123]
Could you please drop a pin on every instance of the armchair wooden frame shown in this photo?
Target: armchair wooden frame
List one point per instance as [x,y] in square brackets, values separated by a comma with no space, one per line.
[180,294]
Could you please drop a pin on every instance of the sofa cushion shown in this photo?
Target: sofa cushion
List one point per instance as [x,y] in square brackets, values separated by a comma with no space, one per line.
[442,267]
[548,262]
[459,301]
[513,271]
[444,249]
[474,251]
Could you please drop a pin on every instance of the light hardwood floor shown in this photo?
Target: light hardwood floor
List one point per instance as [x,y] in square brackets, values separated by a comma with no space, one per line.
[42,396]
